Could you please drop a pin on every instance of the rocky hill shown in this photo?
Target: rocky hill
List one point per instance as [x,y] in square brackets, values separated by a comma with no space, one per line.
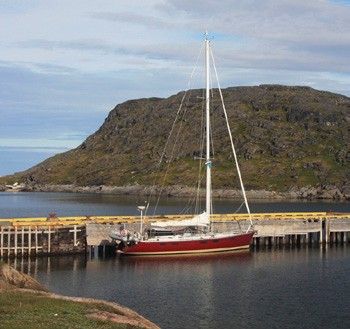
[285,137]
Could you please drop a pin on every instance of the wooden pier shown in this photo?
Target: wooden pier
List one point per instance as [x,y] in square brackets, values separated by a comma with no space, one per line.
[59,235]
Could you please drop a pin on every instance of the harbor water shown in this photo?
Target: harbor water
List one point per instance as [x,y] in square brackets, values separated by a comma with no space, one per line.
[306,287]
[284,287]
[36,204]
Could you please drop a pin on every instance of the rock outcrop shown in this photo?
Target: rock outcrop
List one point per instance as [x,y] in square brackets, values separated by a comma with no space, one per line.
[11,279]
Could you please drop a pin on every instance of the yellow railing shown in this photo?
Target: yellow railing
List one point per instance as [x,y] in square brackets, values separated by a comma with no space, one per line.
[81,220]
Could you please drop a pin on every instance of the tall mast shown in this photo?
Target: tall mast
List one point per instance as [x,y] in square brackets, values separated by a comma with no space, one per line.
[207,106]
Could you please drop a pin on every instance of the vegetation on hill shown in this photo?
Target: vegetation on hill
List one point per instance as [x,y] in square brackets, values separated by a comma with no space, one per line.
[285,137]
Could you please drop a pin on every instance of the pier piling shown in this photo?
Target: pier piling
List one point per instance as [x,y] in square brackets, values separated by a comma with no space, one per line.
[35,236]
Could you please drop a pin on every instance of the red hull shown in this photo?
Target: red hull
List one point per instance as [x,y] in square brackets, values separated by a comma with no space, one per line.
[202,245]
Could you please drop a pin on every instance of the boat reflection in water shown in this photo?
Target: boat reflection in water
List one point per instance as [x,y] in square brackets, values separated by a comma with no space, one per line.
[37,266]
[187,259]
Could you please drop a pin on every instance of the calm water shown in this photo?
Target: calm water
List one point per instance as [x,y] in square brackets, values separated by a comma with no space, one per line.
[21,204]
[277,288]
[283,288]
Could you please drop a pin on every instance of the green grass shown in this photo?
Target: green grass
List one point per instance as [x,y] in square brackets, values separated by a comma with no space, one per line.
[33,311]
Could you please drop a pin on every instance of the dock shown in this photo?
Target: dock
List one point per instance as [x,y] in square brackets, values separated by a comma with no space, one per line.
[90,234]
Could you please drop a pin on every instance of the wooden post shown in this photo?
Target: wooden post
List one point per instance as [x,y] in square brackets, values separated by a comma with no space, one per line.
[49,232]
[29,240]
[75,231]
[15,241]
[36,240]
[49,240]
[1,240]
[327,229]
[8,241]
[22,240]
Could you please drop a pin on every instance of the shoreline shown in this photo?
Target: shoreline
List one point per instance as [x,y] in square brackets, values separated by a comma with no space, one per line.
[305,193]
[18,285]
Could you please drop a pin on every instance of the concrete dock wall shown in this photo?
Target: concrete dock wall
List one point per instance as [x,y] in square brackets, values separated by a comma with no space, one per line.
[45,237]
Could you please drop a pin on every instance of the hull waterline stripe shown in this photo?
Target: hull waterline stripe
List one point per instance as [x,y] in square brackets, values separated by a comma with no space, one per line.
[185,251]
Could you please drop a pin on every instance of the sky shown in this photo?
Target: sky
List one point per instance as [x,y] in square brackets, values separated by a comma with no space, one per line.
[64,65]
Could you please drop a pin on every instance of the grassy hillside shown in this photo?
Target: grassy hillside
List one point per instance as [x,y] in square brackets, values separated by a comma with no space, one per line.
[285,137]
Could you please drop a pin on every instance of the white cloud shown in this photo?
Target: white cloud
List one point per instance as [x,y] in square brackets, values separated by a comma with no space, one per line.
[68,62]
[112,36]
[28,143]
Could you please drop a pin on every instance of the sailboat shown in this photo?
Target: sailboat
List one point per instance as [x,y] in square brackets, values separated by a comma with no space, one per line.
[194,235]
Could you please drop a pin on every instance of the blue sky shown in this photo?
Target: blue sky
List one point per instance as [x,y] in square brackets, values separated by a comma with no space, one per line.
[65,64]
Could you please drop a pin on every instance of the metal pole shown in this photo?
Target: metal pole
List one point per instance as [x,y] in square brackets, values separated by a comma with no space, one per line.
[207,102]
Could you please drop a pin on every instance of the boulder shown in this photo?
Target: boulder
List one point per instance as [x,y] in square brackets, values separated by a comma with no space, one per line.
[11,278]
